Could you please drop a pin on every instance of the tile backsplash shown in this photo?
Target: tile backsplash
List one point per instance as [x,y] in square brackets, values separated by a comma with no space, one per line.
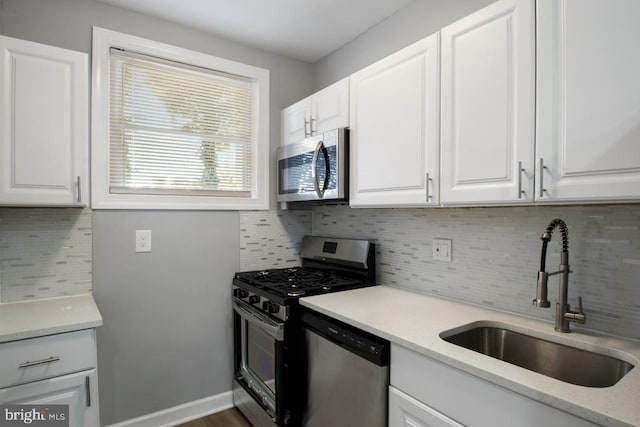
[44,252]
[271,239]
[496,256]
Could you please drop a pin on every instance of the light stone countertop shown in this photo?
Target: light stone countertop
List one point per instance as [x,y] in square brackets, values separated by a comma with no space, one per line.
[47,316]
[415,321]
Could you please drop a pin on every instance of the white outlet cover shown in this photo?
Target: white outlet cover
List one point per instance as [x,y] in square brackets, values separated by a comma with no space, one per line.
[143,240]
[442,250]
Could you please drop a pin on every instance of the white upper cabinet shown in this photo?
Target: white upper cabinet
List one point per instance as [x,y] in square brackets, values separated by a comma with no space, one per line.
[488,88]
[394,135]
[324,110]
[330,107]
[296,122]
[588,129]
[43,125]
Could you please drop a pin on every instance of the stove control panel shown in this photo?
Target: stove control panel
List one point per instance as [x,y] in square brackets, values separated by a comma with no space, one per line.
[261,303]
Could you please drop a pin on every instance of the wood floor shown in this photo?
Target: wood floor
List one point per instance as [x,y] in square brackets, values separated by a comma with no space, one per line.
[229,418]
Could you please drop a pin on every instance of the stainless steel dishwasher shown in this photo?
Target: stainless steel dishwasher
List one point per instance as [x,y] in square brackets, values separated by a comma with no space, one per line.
[347,374]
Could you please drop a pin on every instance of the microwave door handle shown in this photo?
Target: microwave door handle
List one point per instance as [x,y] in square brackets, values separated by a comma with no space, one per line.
[327,168]
[314,165]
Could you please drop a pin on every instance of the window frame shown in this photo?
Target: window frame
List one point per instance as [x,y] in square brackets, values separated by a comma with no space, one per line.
[101,198]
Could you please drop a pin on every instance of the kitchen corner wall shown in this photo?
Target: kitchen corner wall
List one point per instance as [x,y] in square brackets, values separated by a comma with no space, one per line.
[496,256]
[271,239]
[44,253]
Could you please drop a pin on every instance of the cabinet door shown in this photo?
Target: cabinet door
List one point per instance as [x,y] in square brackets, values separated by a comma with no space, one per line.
[394,129]
[296,122]
[405,411]
[79,391]
[44,124]
[588,135]
[469,400]
[488,105]
[330,107]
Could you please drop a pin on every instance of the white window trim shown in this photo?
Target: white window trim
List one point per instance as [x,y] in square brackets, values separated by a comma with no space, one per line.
[103,40]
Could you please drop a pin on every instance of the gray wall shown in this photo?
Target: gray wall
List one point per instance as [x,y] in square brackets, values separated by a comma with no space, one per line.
[410,24]
[165,339]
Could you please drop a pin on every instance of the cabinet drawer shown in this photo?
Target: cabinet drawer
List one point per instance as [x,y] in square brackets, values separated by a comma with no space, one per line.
[468,399]
[46,357]
[405,411]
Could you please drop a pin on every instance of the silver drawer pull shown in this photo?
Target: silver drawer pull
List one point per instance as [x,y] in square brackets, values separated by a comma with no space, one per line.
[39,362]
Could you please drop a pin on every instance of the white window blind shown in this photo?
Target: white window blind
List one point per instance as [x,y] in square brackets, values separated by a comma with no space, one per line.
[178,129]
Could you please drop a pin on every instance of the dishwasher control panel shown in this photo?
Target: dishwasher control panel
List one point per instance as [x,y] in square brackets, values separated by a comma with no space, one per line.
[362,343]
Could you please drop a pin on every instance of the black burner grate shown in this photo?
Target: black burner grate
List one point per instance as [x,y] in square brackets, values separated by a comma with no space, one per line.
[298,281]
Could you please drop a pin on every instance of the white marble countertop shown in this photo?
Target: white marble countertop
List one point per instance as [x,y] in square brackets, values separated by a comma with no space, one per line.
[415,321]
[36,318]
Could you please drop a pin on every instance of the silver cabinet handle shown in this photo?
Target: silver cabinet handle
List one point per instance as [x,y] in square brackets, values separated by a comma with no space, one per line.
[39,362]
[306,122]
[87,389]
[311,126]
[520,190]
[542,168]
[427,185]
[79,191]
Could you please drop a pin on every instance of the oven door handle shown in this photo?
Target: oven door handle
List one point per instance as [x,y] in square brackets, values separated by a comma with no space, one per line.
[251,315]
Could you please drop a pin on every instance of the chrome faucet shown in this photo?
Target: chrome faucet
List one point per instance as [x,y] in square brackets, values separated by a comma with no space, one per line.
[564,315]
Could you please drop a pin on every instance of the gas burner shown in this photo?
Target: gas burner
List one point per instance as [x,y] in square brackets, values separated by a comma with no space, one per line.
[295,292]
[292,283]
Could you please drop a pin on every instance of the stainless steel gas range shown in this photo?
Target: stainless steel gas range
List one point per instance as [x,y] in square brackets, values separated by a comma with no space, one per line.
[269,369]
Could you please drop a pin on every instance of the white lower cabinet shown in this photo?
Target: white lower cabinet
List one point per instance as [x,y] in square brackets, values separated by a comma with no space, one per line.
[79,391]
[405,411]
[434,394]
[53,370]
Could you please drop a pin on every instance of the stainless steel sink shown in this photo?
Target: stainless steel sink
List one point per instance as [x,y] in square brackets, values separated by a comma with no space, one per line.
[559,361]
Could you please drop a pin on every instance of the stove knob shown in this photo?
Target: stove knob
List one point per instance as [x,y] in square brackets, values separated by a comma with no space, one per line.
[240,293]
[270,307]
[254,299]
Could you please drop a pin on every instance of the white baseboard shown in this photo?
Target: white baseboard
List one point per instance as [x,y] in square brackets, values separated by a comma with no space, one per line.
[181,413]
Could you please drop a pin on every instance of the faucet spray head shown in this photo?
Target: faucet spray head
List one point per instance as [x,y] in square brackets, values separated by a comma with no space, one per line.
[541,300]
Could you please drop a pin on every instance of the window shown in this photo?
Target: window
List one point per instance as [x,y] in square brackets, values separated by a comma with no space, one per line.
[176,129]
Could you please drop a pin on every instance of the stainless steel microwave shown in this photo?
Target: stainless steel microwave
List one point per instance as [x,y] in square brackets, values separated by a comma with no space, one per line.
[315,169]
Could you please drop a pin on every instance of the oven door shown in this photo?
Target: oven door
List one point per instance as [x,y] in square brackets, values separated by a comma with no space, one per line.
[258,344]
[313,169]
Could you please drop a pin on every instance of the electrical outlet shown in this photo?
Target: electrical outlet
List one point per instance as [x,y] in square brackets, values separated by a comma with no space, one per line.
[143,240]
[442,250]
